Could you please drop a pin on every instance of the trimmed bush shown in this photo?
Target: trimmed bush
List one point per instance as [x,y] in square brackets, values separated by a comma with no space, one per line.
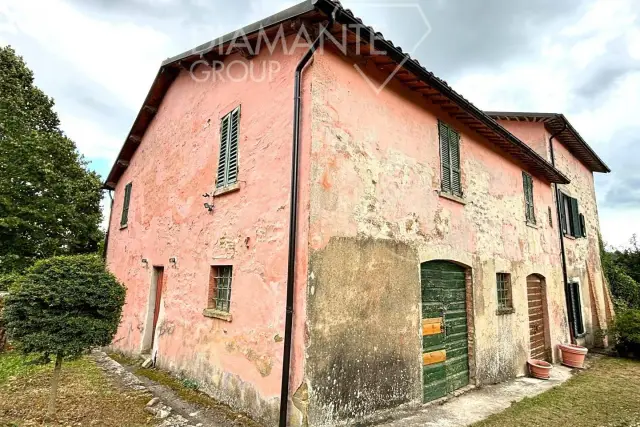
[626,330]
[62,307]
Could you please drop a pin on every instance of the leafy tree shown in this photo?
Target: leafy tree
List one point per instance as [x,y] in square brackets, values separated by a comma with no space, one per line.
[61,307]
[49,201]
[629,258]
[624,288]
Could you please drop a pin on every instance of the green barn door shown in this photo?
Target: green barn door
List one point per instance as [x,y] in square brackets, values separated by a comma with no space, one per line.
[445,358]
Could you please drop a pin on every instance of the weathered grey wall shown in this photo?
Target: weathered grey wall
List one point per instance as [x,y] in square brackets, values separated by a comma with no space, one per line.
[363,313]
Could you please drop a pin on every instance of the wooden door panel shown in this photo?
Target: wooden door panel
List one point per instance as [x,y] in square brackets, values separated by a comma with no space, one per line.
[537,338]
[444,327]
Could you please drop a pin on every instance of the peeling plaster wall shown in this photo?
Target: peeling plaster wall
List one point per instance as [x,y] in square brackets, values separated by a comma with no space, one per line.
[375,177]
[581,252]
[239,362]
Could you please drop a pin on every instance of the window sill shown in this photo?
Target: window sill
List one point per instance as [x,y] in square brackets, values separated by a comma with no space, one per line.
[569,236]
[216,314]
[453,198]
[227,189]
[503,311]
[532,225]
[122,227]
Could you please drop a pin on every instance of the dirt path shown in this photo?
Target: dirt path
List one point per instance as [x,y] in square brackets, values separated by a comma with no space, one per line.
[193,409]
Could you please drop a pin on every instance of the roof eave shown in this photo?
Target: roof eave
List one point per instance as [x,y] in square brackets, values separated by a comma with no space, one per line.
[151,103]
[595,163]
[366,33]
[170,69]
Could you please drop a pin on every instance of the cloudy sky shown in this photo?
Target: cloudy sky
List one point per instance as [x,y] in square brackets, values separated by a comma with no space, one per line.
[97,59]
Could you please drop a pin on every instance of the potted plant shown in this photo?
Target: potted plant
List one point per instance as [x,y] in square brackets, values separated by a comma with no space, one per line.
[539,369]
[573,355]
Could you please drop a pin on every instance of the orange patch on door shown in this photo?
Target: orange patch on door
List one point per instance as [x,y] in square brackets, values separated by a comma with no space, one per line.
[434,357]
[432,326]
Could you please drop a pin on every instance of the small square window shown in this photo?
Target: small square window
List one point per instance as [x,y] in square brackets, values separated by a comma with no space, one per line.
[505,301]
[220,287]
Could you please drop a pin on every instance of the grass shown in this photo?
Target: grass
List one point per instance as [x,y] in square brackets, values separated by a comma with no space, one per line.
[14,366]
[608,395]
[85,396]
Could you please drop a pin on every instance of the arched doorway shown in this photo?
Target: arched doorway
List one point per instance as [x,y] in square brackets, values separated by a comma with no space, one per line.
[538,322]
[445,349]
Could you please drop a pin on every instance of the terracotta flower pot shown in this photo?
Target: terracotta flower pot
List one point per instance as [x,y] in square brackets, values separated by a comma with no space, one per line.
[539,369]
[573,355]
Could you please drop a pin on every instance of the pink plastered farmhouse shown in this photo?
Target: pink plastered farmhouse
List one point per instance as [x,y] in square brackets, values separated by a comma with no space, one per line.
[335,218]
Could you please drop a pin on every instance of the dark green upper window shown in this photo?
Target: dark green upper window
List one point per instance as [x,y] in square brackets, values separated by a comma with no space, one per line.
[572,220]
[576,309]
[228,161]
[450,159]
[125,206]
[527,182]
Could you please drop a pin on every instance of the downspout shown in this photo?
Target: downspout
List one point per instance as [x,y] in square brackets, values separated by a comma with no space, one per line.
[560,234]
[293,225]
[106,236]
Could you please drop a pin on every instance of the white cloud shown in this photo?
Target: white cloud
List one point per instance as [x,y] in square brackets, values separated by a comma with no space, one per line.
[617,225]
[544,82]
[90,138]
[120,56]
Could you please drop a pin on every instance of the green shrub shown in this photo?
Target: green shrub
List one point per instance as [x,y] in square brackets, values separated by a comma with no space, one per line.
[7,280]
[63,306]
[626,331]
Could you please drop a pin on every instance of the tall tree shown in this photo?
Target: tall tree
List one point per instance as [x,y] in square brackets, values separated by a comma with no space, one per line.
[49,201]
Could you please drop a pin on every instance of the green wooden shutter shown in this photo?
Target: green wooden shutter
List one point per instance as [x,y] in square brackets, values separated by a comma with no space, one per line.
[583,228]
[454,145]
[445,157]
[575,218]
[125,205]
[563,219]
[576,308]
[232,169]
[224,150]
[228,161]
[527,183]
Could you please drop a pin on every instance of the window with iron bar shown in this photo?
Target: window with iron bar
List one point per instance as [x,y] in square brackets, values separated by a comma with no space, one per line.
[220,280]
[505,301]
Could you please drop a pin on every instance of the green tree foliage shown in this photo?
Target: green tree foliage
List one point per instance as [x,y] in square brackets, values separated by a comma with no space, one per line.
[626,330]
[629,258]
[49,201]
[63,306]
[620,275]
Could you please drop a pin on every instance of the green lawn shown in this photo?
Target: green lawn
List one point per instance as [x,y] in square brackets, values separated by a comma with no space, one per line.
[608,394]
[85,396]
